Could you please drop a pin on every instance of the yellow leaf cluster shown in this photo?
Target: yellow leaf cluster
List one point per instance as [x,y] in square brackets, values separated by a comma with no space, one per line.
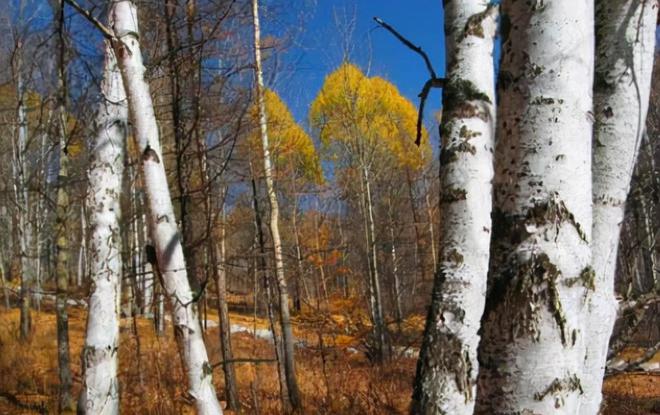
[368,114]
[291,147]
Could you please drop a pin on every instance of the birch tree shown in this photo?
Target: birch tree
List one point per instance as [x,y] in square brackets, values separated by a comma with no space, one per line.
[163,226]
[100,391]
[367,127]
[21,196]
[625,44]
[447,368]
[285,319]
[532,353]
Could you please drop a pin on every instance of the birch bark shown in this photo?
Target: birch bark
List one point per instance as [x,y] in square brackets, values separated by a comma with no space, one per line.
[625,43]
[447,368]
[22,202]
[165,234]
[532,351]
[285,320]
[100,390]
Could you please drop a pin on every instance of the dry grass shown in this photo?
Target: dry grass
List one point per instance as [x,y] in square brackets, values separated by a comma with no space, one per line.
[332,380]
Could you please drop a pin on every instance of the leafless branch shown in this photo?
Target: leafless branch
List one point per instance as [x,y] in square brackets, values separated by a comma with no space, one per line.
[432,82]
[107,33]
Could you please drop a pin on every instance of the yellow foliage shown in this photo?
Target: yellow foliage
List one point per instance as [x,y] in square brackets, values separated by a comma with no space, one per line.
[292,148]
[368,116]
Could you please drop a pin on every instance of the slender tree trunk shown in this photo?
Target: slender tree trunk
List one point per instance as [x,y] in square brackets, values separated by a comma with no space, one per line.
[532,347]
[82,253]
[150,284]
[419,264]
[297,303]
[429,213]
[285,320]
[342,239]
[447,368]
[40,220]
[321,257]
[261,264]
[100,389]
[182,142]
[61,223]
[21,199]
[395,269]
[3,280]
[378,319]
[218,257]
[165,234]
[625,43]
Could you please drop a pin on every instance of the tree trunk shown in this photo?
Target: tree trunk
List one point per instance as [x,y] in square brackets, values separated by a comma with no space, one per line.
[419,264]
[285,320]
[82,252]
[165,235]
[429,213]
[260,264]
[532,347]
[625,43]
[321,259]
[378,320]
[21,199]
[62,279]
[100,390]
[218,256]
[182,142]
[395,269]
[150,284]
[447,368]
[65,401]
[297,301]
[3,280]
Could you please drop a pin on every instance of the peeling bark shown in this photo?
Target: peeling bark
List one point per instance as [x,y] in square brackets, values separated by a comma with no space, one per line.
[164,231]
[100,390]
[625,43]
[532,347]
[447,367]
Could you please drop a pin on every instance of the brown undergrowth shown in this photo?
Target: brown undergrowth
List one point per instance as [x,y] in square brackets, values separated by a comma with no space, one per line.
[334,379]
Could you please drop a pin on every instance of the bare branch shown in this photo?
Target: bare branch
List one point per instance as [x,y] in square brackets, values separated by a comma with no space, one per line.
[433,82]
[409,44]
[107,33]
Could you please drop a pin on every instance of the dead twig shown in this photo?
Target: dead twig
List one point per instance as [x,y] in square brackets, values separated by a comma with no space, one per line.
[432,82]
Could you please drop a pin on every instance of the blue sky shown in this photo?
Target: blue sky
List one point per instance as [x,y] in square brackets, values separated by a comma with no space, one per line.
[317,48]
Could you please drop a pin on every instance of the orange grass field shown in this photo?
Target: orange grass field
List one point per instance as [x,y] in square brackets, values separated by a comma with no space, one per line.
[332,380]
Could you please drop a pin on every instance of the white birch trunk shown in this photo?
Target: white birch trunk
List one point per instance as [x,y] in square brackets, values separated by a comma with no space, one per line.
[22,202]
[100,391]
[625,42]
[285,320]
[375,297]
[447,367]
[532,351]
[165,234]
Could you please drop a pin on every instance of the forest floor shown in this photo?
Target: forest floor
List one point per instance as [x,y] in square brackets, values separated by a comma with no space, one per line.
[334,374]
